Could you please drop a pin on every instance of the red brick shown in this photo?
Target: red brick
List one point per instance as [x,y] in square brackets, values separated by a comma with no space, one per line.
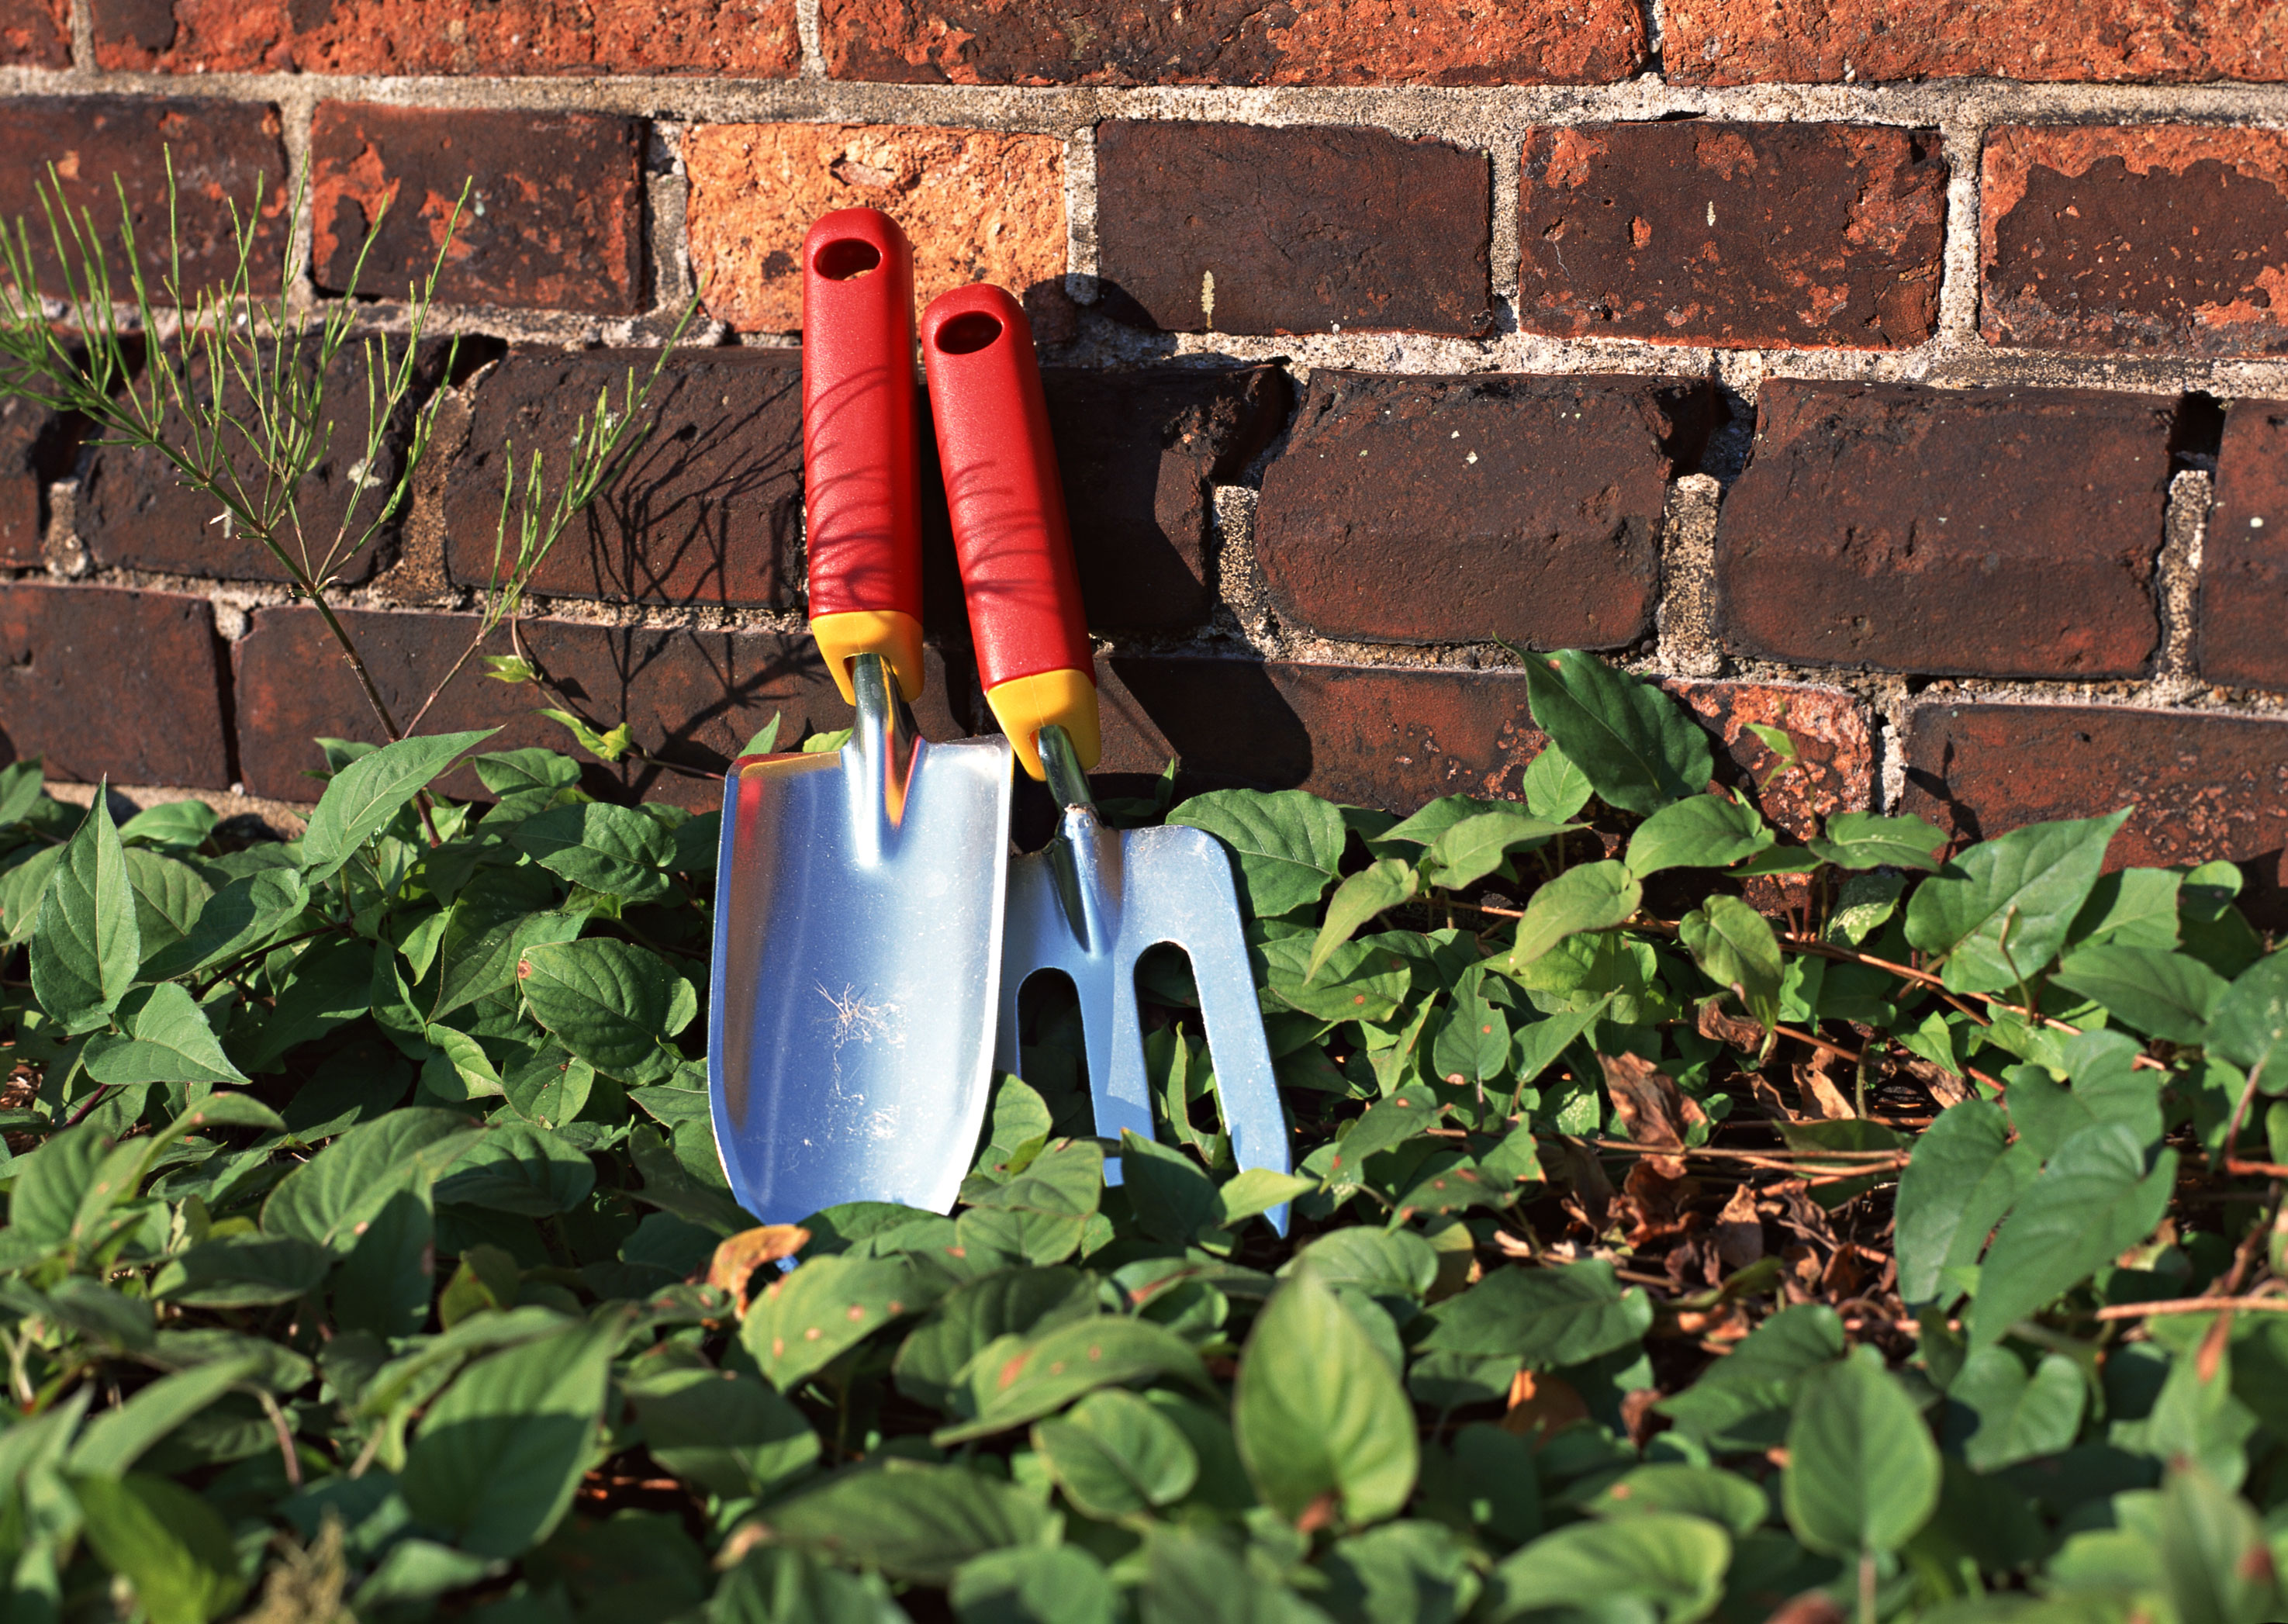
[2153,236]
[34,450]
[1703,232]
[691,697]
[104,682]
[35,33]
[135,512]
[2205,786]
[1986,532]
[225,152]
[1343,228]
[1233,42]
[1749,42]
[751,39]
[1396,738]
[1449,510]
[979,205]
[555,218]
[2243,607]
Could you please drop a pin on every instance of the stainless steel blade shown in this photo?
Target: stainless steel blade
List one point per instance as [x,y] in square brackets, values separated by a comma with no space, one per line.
[1093,902]
[859,909]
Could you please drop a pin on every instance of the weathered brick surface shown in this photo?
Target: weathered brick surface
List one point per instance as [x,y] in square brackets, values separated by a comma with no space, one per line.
[1733,233]
[1990,532]
[1227,227]
[33,451]
[35,33]
[1138,452]
[1748,42]
[710,509]
[1461,509]
[751,39]
[979,206]
[2243,603]
[2153,237]
[2205,786]
[555,218]
[1233,42]
[223,152]
[689,697]
[1396,738]
[135,512]
[100,681]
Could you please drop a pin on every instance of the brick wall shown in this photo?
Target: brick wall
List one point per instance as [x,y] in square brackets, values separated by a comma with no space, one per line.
[1908,375]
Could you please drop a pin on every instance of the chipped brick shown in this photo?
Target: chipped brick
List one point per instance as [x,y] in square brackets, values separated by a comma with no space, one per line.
[36,33]
[2243,604]
[101,682]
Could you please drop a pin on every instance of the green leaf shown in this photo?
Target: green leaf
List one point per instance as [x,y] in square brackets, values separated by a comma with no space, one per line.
[766,738]
[498,914]
[501,1452]
[2250,1023]
[2000,910]
[22,888]
[1742,1401]
[167,1040]
[1021,1379]
[87,945]
[1959,1183]
[520,1168]
[1287,844]
[1634,744]
[1593,897]
[1700,831]
[2020,1417]
[513,669]
[347,1184]
[1555,788]
[826,744]
[1695,1491]
[387,1281]
[1734,943]
[244,1272]
[1042,1214]
[115,1440]
[1662,1566]
[930,1364]
[1193,1576]
[366,794]
[1863,1474]
[1172,1197]
[1114,1455]
[2133,907]
[1543,1318]
[181,826]
[608,746]
[731,1436]
[1474,847]
[169,896]
[167,1543]
[1031,1585]
[235,919]
[803,1321]
[1319,1413]
[610,1003]
[2160,993]
[20,784]
[2215,1563]
[619,851]
[1425,827]
[1381,1263]
[1258,1190]
[2093,1200]
[1868,840]
[1381,884]
[541,772]
[917,1523]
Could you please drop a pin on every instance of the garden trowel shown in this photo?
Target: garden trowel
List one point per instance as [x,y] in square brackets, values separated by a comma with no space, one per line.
[859,896]
[1095,899]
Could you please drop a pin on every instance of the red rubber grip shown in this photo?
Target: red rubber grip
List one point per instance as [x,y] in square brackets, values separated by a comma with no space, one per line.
[1001,487]
[861,484]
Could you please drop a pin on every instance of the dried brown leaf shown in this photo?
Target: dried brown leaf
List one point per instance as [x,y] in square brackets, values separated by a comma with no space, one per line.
[1822,1099]
[1650,1106]
[1737,1030]
[737,1258]
[1739,1232]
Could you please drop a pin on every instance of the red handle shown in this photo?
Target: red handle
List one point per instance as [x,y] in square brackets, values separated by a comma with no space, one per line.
[861,490]
[1008,512]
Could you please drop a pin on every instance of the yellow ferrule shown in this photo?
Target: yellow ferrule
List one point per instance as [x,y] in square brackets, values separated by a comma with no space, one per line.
[894,636]
[1024,705]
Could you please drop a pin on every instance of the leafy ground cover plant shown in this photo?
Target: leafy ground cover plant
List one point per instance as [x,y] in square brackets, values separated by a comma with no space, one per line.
[1909,1249]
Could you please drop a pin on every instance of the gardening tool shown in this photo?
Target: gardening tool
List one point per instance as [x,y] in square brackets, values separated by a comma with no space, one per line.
[1095,899]
[859,898]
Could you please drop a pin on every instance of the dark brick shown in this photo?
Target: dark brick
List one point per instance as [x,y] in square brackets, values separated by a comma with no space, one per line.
[36,33]
[225,152]
[34,450]
[753,39]
[1431,510]
[1396,738]
[101,681]
[2244,612]
[135,512]
[2155,236]
[1701,233]
[693,698]
[1225,227]
[554,218]
[1232,41]
[2205,786]
[1139,452]
[1752,42]
[1988,532]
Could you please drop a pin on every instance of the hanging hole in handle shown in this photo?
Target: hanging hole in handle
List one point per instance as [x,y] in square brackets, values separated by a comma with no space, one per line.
[846,258]
[968,333]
